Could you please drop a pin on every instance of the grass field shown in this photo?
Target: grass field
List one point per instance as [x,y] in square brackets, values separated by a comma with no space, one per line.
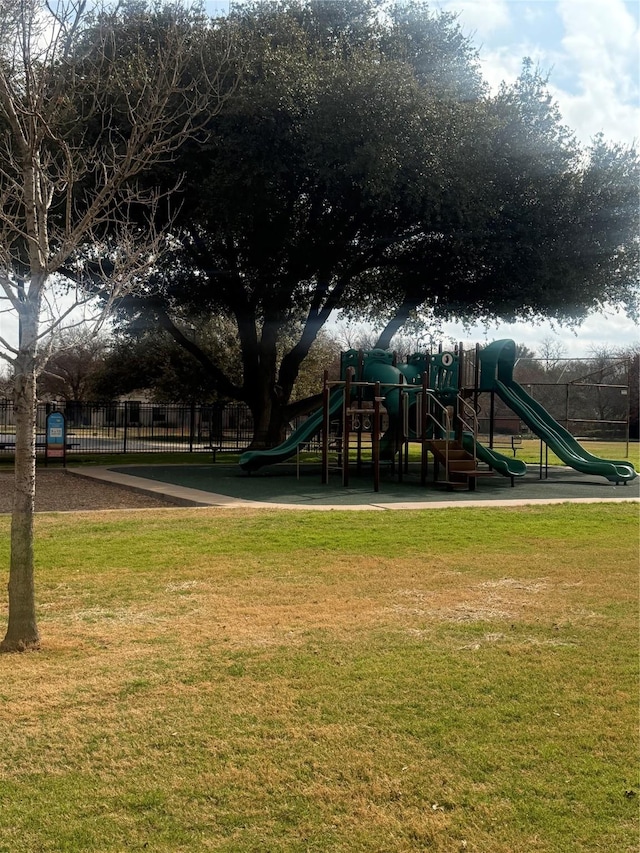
[257,681]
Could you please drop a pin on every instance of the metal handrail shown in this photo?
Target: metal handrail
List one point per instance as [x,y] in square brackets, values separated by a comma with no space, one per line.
[473,427]
[431,398]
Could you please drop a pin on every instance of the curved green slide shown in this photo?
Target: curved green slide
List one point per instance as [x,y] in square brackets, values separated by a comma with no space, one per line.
[252,460]
[378,367]
[508,466]
[497,362]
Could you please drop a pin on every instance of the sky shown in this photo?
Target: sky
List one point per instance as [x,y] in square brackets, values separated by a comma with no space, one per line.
[590,50]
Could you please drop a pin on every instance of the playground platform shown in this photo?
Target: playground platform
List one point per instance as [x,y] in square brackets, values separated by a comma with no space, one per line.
[286,486]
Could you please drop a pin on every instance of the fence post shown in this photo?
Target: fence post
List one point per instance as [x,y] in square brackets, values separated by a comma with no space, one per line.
[126,424]
[192,425]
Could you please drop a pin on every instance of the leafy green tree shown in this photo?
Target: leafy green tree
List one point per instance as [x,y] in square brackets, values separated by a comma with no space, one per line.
[152,363]
[362,165]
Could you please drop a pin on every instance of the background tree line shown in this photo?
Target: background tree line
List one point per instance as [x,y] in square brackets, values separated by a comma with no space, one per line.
[155,368]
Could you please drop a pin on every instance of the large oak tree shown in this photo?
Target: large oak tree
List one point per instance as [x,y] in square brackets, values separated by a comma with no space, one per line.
[363,165]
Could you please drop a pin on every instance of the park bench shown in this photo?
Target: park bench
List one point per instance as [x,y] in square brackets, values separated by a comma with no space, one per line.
[219,447]
[40,445]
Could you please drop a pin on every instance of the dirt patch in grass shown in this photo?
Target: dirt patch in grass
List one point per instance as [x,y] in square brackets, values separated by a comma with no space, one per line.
[60,491]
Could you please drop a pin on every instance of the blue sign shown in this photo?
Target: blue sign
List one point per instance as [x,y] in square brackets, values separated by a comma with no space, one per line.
[56,435]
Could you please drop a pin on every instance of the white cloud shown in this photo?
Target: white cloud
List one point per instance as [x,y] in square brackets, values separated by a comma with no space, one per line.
[591,48]
[604,35]
[533,13]
[480,18]
[601,43]
[598,110]
[610,329]
[505,63]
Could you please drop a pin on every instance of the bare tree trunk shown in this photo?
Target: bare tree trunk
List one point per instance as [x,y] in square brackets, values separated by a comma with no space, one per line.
[22,631]
[62,70]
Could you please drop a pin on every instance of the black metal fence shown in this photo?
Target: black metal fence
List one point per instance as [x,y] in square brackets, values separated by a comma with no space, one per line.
[133,427]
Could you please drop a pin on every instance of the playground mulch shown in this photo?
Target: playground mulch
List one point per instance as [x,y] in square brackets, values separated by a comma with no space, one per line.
[61,491]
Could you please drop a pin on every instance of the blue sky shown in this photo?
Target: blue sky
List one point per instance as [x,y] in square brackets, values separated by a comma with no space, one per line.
[591,51]
[589,48]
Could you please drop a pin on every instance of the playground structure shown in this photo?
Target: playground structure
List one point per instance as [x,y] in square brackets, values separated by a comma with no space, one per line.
[432,399]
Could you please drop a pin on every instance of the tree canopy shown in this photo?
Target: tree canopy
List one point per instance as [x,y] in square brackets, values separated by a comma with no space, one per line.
[361,164]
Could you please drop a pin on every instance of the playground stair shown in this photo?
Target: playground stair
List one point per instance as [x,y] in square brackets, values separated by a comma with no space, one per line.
[461,466]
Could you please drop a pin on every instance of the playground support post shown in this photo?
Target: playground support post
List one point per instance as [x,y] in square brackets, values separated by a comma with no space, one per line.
[398,439]
[406,429]
[546,460]
[424,461]
[325,428]
[457,412]
[492,414]
[476,378]
[359,408]
[375,437]
[346,415]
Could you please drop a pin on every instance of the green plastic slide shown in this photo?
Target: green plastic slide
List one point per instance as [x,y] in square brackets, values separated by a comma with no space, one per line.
[507,466]
[497,362]
[253,460]
[377,369]
[560,440]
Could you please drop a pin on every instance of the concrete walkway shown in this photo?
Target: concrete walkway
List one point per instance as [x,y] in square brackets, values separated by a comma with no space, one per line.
[281,488]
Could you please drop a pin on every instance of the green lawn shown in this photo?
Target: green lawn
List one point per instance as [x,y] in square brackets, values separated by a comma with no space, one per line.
[460,679]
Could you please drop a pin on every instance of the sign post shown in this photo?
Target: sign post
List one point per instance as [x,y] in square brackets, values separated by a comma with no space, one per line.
[56,441]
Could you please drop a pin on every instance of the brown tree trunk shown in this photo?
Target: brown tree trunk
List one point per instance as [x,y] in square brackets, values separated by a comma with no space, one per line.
[22,631]
[394,325]
[269,423]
